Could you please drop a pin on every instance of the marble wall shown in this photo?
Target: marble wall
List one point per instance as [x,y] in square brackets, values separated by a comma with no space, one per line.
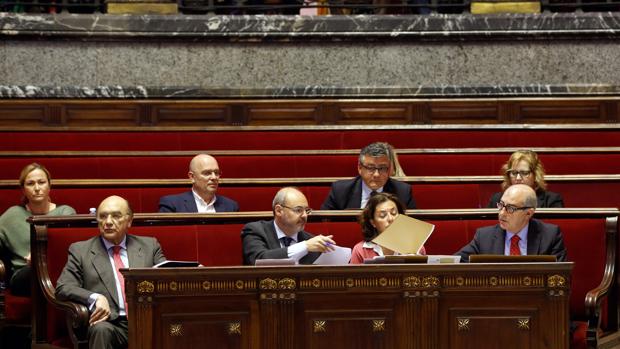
[397,60]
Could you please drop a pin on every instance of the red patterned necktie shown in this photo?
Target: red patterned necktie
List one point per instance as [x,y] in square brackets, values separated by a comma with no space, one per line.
[118,263]
[514,245]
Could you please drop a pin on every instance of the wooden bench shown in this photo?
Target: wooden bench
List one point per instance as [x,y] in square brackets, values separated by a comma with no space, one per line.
[590,236]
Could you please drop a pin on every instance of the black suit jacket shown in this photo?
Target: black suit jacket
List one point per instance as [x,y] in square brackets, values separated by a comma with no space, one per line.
[347,194]
[88,269]
[260,241]
[542,238]
[185,202]
[544,199]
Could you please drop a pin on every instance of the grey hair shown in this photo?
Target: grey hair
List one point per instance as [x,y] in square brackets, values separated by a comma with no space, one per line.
[281,195]
[375,150]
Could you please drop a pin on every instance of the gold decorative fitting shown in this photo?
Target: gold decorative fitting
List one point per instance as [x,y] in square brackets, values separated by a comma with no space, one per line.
[383,282]
[527,281]
[176,330]
[268,284]
[234,328]
[523,324]
[319,326]
[287,284]
[556,281]
[316,283]
[145,287]
[463,324]
[460,281]
[206,285]
[378,325]
[350,282]
[239,284]
[493,281]
[430,281]
[173,286]
[411,281]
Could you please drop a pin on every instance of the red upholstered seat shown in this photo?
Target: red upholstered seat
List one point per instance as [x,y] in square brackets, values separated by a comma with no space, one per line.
[307,139]
[17,308]
[311,165]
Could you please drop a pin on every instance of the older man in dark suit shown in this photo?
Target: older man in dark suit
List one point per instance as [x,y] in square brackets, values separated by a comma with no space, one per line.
[374,168]
[284,236]
[91,275]
[204,172]
[517,232]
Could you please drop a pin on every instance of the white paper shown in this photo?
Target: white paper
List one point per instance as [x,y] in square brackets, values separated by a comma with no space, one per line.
[441,259]
[340,255]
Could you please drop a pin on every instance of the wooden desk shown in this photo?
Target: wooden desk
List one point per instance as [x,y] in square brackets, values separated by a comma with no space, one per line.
[366,306]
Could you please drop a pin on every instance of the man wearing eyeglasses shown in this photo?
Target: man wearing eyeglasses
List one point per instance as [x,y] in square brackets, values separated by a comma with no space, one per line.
[374,167]
[204,172]
[517,233]
[91,276]
[284,235]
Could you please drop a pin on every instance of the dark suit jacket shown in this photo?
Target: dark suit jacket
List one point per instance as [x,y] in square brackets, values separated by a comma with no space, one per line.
[185,202]
[347,194]
[260,241]
[542,238]
[545,199]
[88,269]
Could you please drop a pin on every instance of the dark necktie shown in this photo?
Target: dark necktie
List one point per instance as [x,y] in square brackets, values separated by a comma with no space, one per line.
[286,241]
[373,193]
[118,263]
[514,245]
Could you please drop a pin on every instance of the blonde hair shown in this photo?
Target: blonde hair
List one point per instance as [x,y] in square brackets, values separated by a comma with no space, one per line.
[536,167]
[397,170]
[26,171]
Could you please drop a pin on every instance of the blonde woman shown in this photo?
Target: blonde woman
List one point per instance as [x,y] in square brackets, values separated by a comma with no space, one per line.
[524,167]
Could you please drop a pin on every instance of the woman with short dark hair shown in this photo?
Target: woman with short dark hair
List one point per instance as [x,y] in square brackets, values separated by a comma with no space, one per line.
[379,213]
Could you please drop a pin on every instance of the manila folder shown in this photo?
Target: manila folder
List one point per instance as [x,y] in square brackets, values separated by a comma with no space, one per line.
[405,235]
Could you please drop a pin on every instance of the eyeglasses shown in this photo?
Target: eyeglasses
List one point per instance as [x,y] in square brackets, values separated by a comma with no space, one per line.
[299,210]
[511,208]
[372,169]
[515,173]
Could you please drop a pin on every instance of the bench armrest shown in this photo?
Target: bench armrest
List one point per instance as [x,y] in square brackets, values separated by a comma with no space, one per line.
[595,297]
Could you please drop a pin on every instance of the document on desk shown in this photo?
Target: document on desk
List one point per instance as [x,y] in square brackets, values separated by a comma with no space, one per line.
[340,255]
[405,235]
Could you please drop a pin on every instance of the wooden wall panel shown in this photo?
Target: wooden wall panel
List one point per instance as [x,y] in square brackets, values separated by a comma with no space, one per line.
[566,112]
[25,115]
[275,112]
[191,115]
[463,112]
[118,115]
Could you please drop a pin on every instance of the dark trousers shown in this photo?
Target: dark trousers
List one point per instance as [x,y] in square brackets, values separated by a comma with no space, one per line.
[109,334]
[20,282]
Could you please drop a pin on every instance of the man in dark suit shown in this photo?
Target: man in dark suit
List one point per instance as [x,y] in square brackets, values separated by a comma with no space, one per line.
[204,172]
[284,236]
[91,275]
[374,167]
[517,232]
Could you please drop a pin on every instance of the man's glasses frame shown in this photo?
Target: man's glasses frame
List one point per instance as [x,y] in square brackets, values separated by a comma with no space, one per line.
[382,169]
[299,210]
[511,208]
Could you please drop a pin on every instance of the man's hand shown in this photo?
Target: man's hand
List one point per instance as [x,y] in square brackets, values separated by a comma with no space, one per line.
[320,243]
[101,311]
